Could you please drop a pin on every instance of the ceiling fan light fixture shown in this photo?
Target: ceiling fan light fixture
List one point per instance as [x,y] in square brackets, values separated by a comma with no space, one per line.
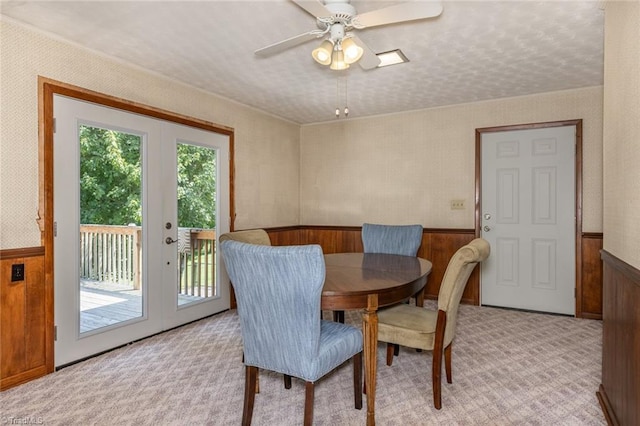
[337,61]
[322,54]
[352,52]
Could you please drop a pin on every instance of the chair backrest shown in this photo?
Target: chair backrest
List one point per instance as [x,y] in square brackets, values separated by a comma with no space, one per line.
[278,290]
[455,280]
[250,236]
[391,239]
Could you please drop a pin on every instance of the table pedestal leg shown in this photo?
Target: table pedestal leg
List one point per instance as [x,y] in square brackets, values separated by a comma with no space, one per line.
[420,298]
[370,335]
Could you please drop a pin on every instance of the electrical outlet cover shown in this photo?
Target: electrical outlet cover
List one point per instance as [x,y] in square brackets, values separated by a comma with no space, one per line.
[17,272]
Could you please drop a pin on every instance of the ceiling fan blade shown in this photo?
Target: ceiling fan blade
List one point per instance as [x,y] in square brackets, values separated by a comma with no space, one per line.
[402,12]
[369,59]
[314,7]
[286,44]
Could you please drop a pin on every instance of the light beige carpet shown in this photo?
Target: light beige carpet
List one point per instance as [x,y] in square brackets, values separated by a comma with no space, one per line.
[509,368]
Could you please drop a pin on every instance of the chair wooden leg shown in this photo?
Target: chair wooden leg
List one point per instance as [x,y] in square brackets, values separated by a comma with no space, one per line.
[338,316]
[249,394]
[390,350]
[287,381]
[436,378]
[436,369]
[257,377]
[447,361]
[308,404]
[357,380]
[396,350]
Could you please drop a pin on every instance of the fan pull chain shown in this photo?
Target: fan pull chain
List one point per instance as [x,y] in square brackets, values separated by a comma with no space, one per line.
[337,97]
[346,104]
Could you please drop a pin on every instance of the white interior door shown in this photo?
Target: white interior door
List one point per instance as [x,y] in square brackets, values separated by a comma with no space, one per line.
[528,217]
[116,277]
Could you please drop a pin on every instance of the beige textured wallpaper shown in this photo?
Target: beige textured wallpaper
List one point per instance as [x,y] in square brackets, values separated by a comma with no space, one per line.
[622,131]
[401,168]
[264,195]
[406,168]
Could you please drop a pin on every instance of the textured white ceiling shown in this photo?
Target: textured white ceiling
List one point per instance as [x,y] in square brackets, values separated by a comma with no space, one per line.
[476,50]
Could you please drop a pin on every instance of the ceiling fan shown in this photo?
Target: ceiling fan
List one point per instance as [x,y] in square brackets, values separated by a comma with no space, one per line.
[335,18]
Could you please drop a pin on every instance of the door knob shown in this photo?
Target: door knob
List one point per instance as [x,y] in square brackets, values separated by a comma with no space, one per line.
[170,240]
[487,216]
[486,228]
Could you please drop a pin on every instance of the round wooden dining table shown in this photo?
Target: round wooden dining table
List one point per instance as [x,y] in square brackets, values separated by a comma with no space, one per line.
[367,281]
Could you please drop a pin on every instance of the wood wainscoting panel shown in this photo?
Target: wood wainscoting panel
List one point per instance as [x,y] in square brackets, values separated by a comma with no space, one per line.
[591,300]
[24,311]
[332,239]
[438,246]
[285,236]
[619,393]
[341,239]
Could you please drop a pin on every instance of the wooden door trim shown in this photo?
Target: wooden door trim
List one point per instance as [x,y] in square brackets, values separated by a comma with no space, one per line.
[578,190]
[47,88]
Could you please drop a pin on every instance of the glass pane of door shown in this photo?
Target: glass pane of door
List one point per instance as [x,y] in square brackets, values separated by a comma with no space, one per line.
[110,227]
[196,198]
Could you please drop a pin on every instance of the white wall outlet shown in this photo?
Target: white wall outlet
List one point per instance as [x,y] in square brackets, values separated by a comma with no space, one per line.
[457,204]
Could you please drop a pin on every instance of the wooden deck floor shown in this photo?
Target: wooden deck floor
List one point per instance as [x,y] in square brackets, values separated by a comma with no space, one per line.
[102,307]
[103,304]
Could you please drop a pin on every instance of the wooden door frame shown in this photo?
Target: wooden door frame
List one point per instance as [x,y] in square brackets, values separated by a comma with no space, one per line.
[47,88]
[578,192]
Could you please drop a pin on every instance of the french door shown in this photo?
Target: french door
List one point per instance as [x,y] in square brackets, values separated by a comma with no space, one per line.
[138,203]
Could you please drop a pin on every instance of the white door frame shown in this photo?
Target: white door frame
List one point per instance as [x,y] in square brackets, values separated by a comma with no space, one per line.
[578,193]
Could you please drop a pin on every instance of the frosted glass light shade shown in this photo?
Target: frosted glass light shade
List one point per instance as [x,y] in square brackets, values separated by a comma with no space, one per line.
[352,52]
[337,61]
[322,54]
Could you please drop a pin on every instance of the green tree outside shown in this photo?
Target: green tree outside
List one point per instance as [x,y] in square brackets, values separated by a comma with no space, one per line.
[196,187]
[111,180]
[110,177]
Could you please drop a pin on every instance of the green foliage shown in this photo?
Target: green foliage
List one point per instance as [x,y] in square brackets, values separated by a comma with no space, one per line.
[111,187]
[196,187]
[110,177]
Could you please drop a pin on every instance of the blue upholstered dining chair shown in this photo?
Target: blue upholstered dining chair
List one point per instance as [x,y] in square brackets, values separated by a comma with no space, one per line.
[403,240]
[250,236]
[278,290]
[391,239]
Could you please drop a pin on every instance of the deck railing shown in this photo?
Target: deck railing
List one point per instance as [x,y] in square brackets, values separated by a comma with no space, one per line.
[111,253]
[197,264]
[114,253]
